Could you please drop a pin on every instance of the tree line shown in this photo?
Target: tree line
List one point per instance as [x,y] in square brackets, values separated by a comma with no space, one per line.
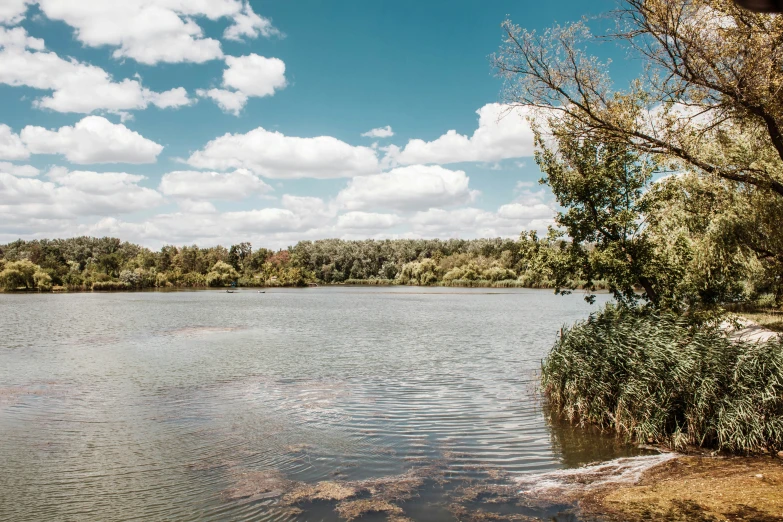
[86,263]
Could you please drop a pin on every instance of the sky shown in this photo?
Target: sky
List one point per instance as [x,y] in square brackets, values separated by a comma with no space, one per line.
[269,121]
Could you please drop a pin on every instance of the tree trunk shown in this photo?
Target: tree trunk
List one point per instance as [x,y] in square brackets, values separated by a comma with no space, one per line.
[652,295]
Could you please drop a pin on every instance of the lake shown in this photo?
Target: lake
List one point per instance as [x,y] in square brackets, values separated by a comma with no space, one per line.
[207,405]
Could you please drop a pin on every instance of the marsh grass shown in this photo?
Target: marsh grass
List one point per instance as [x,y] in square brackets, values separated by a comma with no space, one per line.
[658,378]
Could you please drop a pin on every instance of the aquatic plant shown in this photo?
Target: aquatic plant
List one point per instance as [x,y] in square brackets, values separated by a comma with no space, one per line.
[657,377]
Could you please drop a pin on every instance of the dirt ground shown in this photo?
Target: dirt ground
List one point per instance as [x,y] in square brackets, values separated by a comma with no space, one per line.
[696,489]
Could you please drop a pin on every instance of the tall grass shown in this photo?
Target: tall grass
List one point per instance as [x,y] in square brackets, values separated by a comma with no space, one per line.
[659,378]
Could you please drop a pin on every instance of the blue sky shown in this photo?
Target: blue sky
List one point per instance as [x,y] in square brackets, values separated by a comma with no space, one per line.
[215,121]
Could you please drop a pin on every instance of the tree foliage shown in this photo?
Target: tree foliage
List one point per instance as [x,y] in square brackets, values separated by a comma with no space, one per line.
[708,108]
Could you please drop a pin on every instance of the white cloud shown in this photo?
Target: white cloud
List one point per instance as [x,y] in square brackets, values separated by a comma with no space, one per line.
[199,185]
[380,132]
[473,222]
[153,31]
[71,194]
[11,145]
[502,133]
[228,101]
[254,75]
[201,225]
[367,221]
[522,211]
[22,171]
[189,206]
[307,205]
[247,76]
[275,155]
[76,86]
[172,98]
[18,37]
[407,188]
[12,11]
[94,139]
[248,24]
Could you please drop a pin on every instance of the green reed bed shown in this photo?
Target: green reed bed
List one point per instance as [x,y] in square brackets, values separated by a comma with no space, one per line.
[657,378]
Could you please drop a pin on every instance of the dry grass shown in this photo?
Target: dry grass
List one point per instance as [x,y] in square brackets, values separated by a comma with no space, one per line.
[697,489]
[772,321]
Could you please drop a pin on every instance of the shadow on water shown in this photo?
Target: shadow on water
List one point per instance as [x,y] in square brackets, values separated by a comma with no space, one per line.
[578,446]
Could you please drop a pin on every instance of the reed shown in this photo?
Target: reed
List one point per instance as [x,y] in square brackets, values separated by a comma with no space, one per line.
[658,378]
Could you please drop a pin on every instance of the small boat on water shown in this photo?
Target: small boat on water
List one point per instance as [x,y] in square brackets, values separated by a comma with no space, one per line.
[230,291]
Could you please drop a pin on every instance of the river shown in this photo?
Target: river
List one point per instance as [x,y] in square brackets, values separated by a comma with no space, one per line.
[207,405]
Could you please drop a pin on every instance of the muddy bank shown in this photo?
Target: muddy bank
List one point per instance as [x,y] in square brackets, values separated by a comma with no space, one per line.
[694,489]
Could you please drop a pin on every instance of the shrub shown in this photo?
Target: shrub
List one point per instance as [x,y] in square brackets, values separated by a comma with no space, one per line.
[221,274]
[110,286]
[660,378]
[43,281]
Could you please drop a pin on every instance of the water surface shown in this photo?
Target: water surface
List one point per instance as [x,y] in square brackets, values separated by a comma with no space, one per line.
[187,405]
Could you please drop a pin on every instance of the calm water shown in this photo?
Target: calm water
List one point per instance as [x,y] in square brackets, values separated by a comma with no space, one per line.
[211,406]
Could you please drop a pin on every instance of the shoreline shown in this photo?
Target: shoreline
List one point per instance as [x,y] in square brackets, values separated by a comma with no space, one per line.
[701,488]
[666,487]
[253,289]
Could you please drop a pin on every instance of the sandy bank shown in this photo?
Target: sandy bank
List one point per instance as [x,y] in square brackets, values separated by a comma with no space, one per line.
[695,489]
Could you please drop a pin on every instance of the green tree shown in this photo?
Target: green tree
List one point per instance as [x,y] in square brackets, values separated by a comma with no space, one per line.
[221,274]
[18,274]
[709,100]
[42,280]
[602,187]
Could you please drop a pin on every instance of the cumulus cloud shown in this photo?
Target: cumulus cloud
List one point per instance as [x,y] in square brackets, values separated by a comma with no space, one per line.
[70,194]
[229,101]
[154,31]
[17,37]
[11,145]
[76,86]
[250,25]
[298,218]
[502,133]
[12,11]
[275,155]
[254,75]
[199,185]
[407,188]
[189,206]
[247,76]
[94,139]
[472,222]
[22,171]
[380,132]
[367,221]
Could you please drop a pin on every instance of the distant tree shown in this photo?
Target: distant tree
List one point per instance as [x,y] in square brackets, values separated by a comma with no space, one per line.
[18,274]
[42,280]
[221,274]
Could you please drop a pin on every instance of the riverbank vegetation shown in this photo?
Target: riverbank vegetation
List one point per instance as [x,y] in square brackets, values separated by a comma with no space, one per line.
[672,185]
[655,377]
[86,263]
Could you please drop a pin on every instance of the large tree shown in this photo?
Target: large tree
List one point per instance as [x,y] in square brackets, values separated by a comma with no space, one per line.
[709,101]
[714,71]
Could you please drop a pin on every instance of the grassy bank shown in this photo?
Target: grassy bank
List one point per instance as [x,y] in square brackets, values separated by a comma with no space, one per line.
[660,379]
